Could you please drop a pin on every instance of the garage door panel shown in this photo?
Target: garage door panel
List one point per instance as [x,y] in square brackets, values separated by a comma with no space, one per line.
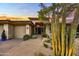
[1,29]
[20,31]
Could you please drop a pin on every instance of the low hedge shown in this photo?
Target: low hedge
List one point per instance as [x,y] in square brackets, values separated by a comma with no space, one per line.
[45,35]
[27,37]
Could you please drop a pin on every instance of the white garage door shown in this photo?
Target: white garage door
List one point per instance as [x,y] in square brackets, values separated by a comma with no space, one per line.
[1,29]
[20,31]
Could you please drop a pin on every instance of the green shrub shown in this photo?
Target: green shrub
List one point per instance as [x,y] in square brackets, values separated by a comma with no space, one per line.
[45,35]
[26,37]
[48,41]
[51,48]
[45,45]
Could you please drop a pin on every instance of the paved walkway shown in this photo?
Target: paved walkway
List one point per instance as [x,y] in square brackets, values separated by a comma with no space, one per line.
[23,48]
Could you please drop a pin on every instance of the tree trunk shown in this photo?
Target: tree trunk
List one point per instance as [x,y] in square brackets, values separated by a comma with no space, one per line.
[62,39]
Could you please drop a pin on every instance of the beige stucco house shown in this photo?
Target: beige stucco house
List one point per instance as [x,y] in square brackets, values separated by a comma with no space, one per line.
[17,27]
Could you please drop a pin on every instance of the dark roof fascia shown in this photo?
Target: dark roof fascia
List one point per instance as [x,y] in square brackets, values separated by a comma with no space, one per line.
[16,22]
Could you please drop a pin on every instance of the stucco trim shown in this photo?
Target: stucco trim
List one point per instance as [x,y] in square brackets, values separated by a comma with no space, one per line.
[16,22]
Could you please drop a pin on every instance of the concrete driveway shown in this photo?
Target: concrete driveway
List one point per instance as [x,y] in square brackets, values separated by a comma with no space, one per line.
[23,48]
[28,48]
[5,46]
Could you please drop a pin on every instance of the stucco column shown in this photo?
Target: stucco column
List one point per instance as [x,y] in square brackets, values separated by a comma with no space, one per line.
[28,30]
[6,28]
[47,29]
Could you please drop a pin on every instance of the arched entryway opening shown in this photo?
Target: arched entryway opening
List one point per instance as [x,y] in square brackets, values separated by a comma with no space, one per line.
[39,28]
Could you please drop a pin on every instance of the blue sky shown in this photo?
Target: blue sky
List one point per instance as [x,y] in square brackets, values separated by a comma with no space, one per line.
[19,9]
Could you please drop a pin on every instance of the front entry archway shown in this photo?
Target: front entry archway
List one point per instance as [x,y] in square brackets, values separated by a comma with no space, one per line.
[39,30]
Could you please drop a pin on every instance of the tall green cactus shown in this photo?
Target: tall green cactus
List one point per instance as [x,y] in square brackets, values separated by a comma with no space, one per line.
[73,31]
[62,39]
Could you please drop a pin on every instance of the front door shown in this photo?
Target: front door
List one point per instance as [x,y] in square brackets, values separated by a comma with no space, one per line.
[39,30]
